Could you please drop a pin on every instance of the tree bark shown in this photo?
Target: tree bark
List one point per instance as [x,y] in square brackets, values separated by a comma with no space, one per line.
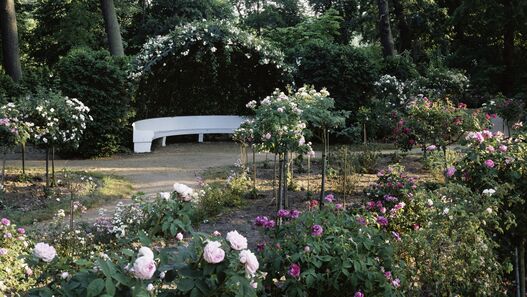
[10,48]
[405,38]
[113,30]
[385,30]
[508,48]
[324,168]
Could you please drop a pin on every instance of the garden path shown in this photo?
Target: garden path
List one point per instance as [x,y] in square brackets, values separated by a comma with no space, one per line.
[157,171]
[153,172]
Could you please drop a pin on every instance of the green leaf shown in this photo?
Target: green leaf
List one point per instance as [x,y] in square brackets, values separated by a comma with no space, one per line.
[95,288]
[110,287]
[185,284]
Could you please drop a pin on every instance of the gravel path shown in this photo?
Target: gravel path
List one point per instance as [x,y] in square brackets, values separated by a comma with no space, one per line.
[149,173]
[157,171]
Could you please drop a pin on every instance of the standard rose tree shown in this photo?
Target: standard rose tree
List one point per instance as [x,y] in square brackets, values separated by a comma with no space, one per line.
[435,124]
[318,111]
[278,128]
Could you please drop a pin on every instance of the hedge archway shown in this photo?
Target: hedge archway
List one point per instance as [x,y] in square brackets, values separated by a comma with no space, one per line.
[209,67]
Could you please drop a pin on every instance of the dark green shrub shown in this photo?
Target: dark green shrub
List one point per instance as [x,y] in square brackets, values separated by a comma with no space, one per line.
[346,72]
[401,67]
[205,68]
[100,81]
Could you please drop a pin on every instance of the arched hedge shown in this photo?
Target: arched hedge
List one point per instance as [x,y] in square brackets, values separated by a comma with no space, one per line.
[209,67]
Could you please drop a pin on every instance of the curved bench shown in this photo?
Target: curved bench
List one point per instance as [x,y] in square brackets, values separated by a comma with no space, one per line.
[145,131]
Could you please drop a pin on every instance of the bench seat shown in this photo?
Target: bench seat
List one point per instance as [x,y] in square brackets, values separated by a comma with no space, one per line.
[146,131]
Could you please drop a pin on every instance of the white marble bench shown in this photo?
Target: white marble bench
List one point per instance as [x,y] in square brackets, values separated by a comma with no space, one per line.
[145,131]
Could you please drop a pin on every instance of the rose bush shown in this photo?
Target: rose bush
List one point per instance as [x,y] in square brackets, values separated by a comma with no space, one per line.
[328,252]
[15,274]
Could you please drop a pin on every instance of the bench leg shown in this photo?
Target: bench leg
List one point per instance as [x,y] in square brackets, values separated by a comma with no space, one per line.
[164,141]
[200,138]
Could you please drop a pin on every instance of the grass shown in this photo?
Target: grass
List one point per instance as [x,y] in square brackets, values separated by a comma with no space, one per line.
[109,188]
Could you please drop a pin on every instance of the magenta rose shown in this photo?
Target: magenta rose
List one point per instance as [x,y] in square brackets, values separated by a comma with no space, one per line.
[294,270]
[382,221]
[450,171]
[317,230]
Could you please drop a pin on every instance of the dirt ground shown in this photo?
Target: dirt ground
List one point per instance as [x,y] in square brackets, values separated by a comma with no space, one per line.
[183,162]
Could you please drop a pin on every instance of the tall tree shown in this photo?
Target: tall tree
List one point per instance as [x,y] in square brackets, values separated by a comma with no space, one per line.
[11,51]
[508,47]
[405,39]
[113,30]
[385,30]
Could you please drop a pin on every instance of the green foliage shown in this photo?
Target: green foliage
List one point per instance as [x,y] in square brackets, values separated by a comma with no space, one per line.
[214,199]
[496,163]
[451,250]
[346,257]
[278,124]
[318,110]
[400,66]
[161,16]
[15,274]
[100,81]
[168,217]
[111,277]
[56,121]
[509,109]
[213,68]
[191,275]
[346,73]
[60,26]
[438,123]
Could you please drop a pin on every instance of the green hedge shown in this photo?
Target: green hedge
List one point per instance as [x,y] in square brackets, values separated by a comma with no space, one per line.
[100,82]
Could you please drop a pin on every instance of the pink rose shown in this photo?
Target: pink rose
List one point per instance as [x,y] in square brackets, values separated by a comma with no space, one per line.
[213,253]
[237,241]
[145,252]
[503,148]
[250,261]
[45,252]
[144,267]
[489,163]
[294,270]
[450,171]
[5,221]
[490,149]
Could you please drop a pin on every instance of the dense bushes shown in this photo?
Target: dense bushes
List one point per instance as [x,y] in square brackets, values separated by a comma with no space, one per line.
[327,253]
[343,70]
[205,68]
[100,81]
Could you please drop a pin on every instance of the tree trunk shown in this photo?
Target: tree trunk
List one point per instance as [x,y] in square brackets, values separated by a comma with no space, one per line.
[3,166]
[405,38]
[23,159]
[508,48]
[10,49]
[113,31]
[385,30]
[324,167]
[53,183]
[47,167]
[282,180]
[254,171]
[522,268]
